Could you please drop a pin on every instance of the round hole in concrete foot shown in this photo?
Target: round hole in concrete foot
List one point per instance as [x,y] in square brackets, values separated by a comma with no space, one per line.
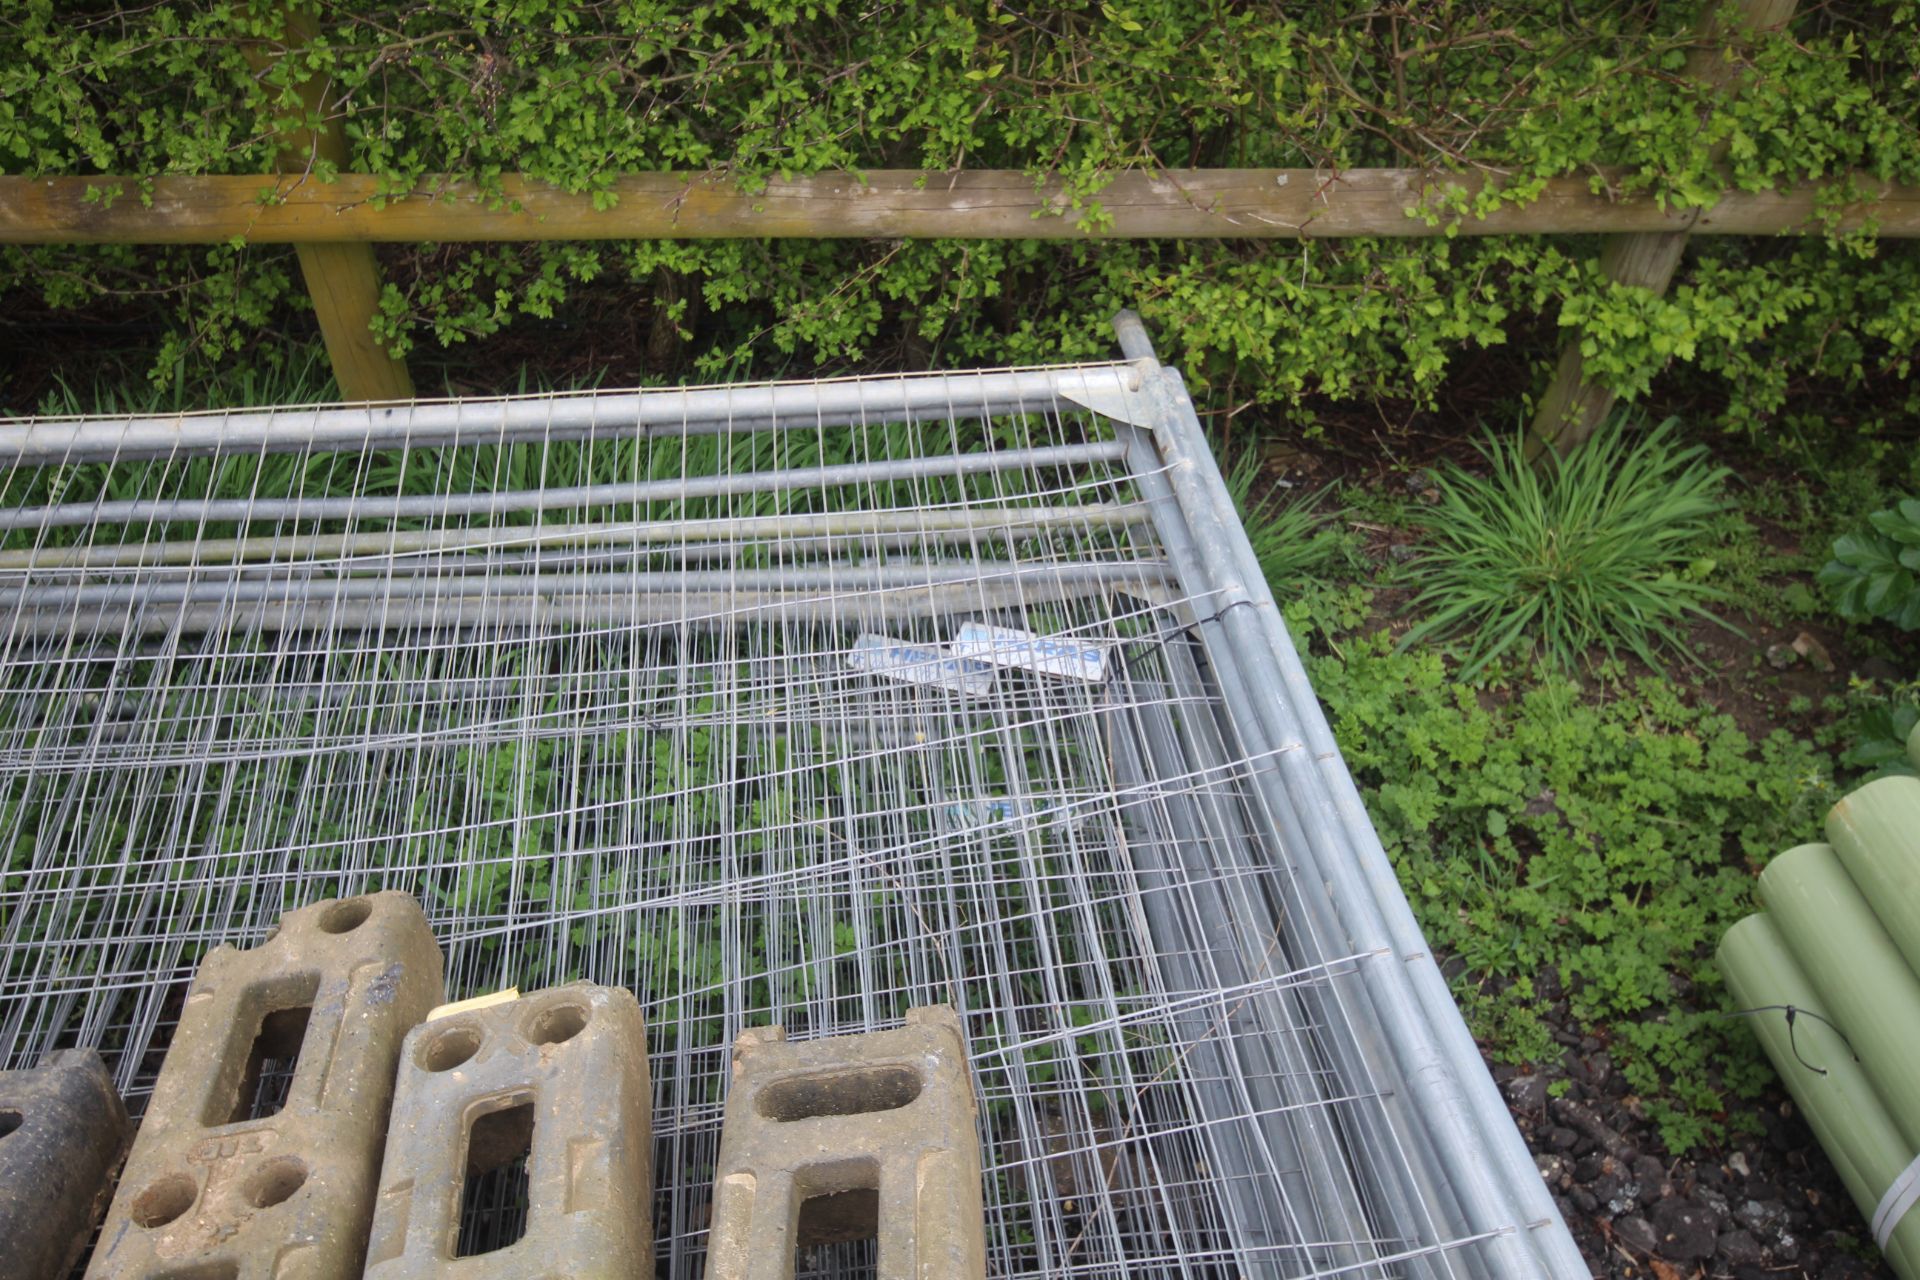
[345,915]
[164,1199]
[275,1181]
[447,1048]
[556,1023]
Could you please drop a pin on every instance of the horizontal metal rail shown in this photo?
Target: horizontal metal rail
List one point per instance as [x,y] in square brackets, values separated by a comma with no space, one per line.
[953,524]
[624,493]
[560,587]
[673,410]
[615,613]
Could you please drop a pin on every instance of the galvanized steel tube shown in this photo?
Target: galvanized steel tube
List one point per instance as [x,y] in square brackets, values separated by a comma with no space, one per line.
[1444,1067]
[613,612]
[427,506]
[1307,900]
[953,524]
[673,410]
[565,585]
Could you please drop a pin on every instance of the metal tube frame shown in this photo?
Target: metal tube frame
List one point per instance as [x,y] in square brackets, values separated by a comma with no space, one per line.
[958,524]
[625,493]
[1304,903]
[671,411]
[1280,719]
[564,586]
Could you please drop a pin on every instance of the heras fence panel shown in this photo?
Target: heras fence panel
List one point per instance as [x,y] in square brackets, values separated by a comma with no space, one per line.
[799,704]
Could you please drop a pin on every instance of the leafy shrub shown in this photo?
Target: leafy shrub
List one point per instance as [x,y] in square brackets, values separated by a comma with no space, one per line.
[1878,731]
[1871,578]
[1872,574]
[1593,555]
[1607,845]
[574,92]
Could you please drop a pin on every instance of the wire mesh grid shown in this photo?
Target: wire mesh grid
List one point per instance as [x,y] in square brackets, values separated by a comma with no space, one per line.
[668,710]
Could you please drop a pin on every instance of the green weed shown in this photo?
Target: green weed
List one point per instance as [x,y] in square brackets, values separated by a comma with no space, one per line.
[1881,734]
[301,375]
[1597,553]
[1874,572]
[1293,538]
[1869,725]
[1607,844]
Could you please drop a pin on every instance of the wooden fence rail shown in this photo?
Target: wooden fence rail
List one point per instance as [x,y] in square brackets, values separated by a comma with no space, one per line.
[1253,204]
[333,223]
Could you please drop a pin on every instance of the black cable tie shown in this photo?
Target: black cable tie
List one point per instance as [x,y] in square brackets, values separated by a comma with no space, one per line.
[1793,1012]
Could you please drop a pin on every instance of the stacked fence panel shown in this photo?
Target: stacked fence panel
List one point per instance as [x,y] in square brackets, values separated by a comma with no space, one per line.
[665,696]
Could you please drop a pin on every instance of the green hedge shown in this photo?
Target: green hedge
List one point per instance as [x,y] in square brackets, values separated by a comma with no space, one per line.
[575,92]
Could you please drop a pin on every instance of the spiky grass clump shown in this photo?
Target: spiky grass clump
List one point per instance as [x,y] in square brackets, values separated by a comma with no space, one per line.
[301,377]
[1293,538]
[1593,553]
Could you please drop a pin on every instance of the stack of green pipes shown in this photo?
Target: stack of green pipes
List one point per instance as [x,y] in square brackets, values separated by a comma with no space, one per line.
[1830,972]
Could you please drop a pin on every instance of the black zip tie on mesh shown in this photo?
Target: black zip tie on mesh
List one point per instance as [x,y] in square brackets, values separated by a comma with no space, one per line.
[1793,1012]
[1166,635]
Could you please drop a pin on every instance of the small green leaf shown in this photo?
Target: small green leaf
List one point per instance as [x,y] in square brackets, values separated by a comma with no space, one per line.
[1896,524]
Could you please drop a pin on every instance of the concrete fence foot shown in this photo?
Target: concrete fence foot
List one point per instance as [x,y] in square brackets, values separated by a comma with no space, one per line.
[259,1150]
[62,1133]
[849,1138]
[521,1144]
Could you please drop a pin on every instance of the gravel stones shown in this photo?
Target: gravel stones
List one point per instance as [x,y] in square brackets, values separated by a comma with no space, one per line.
[1766,1207]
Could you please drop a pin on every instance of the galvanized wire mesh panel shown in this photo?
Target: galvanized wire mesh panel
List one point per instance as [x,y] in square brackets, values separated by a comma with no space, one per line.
[666,709]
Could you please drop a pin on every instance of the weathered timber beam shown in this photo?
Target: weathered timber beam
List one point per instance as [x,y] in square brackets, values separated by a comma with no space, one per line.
[1279,204]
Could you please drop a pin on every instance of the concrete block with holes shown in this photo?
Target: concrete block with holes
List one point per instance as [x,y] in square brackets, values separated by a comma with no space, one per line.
[521,1143]
[260,1148]
[863,1137]
[62,1133]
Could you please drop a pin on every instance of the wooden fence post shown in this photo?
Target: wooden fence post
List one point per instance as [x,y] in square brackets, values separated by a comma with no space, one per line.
[343,279]
[1575,405]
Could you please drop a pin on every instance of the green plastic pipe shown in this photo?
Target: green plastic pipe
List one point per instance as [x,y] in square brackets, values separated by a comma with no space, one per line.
[1876,832]
[1845,1114]
[1861,980]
